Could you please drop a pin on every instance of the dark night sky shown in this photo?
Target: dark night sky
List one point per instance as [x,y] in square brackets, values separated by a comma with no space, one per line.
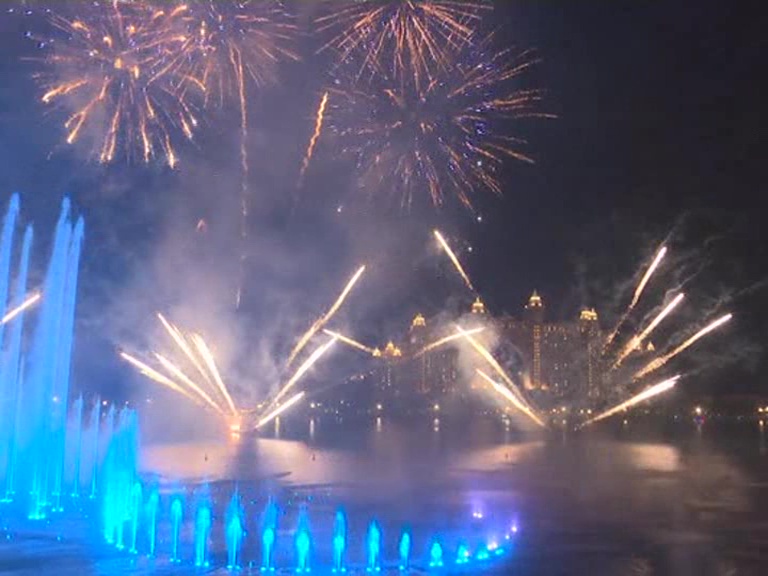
[661,130]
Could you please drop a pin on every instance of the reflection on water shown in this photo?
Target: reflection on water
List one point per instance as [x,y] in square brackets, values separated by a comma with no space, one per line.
[623,502]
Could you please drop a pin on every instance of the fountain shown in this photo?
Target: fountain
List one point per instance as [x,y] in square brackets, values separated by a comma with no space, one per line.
[152,505]
[177,512]
[436,555]
[235,532]
[202,532]
[268,537]
[339,541]
[374,548]
[405,550]
[303,544]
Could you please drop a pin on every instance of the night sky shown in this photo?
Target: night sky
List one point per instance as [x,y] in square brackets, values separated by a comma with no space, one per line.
[660,135]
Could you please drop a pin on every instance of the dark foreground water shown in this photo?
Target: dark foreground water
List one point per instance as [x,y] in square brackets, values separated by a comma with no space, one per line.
[645,498]
[641,499]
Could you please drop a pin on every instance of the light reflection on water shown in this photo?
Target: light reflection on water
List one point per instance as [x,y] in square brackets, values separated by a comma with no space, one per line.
[674,505]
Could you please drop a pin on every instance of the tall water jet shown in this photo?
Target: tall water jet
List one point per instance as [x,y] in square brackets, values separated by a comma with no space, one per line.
[234,531]
[268,537]
[153,503]
[119,477]
[373,545]
[202,532]
[135,514]
[462,554]
[303,545]
[94,427]
[11,373]
[404,550]
[6,245]
[177,512]
[339,541]
[77,444]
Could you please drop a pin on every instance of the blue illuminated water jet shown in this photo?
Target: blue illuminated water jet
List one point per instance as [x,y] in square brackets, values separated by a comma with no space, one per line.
[202,532]
[234,531]
[339,541]
[177,513]
[404,550]
[373,543]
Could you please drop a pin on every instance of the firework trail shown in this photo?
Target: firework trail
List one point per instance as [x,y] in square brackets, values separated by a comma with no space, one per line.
[454,259]
[447,340]
[181,342]
[488,357]
[207,357]
[638,292]
[308,363]
[115,69]
[232,43]
[661,361]
[323,320]
[349,341]
[156,376]
[281,409]
[450,136]
[638,339]
[179,375]
[315,137]
[412,39]
[505,392]
[28,303]
[644,395]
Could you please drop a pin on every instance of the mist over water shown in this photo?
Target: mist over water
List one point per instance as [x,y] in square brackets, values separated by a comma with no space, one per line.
[622,499]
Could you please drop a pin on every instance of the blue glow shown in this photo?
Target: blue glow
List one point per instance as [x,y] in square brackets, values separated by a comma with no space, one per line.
[177,511]
[435,555]
[405,550]
[374,547]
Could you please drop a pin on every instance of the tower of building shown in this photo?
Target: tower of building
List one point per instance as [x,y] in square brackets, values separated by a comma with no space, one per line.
[534,314]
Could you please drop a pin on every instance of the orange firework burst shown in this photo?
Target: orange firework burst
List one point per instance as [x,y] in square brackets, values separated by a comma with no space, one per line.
[408,37]
[449,136]
[114,70]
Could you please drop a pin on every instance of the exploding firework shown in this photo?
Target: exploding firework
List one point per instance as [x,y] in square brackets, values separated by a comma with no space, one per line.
[279,410]
[644,395]
[114,69]
[323,320]
[510,397]
[638,292]
[636,340]
[454,259]
[448,137]
[662,360]
[14,312]
[408,38]
[308,363]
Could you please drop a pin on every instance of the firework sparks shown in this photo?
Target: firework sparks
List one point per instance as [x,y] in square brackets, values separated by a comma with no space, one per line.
[156,376]
[454,259]
[449,136]
[447,340]
[179,375]
[27,304]
[280,410]
[308,363]
[638,292]
[315,137]
[409,38]
[349,341]
[115,71]
[644,395]
[210,362]
[488,357]
[506,393]
[325,318]
[638,339]
[661,361]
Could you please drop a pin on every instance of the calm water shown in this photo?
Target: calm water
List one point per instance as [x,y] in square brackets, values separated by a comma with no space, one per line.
[625,500]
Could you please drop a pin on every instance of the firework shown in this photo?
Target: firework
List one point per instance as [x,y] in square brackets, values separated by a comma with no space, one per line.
[349,341]
[447,340]
[661,361]
[454,259]
[232,43]
[280,409]
[315,137]
[488,357]
[644,395]
[179,374]
[638,339]
[205,354]
[28,303]
[505,392]
[308,363]
[638,292]
[114,70]
[156,376]
[409,38]
[323,320]
[449,136]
